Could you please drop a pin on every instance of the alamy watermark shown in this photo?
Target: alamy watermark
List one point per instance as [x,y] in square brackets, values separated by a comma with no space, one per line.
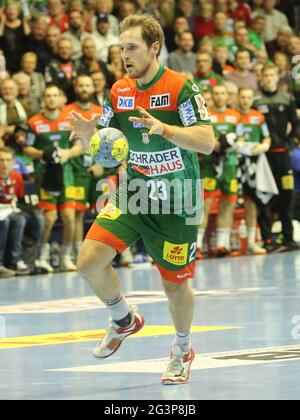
[183,197]
[296,329]
[2,327]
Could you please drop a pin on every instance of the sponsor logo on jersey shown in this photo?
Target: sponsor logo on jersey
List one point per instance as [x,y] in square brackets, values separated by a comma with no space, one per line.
[160,101]
[110,212]
[106,117]
[55,137]
[43,128]
[231,119]
[122,90]
[254,120]
[138,125]
[175,254]
[187,113]
[213,119]
[64,126]
[157,163]
[126,102]
[195,88]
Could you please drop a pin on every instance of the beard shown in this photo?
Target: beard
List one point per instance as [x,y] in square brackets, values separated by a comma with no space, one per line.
[84,98]
[139,73]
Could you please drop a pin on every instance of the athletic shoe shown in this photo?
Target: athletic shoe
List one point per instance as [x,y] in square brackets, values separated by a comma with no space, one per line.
[44,261]
[272,247]
[43,266]
[116,334]
[219,252]
[6,273]
[255,249]
[66,264]
[235,253]
[22,269]
[126,258]
[178,367]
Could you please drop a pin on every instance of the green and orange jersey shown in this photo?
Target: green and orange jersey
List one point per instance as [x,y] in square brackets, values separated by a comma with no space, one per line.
[255,128]
[43,133]
[81,163]
[171,98]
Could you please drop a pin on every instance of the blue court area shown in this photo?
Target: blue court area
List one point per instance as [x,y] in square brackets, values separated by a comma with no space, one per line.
[246,335]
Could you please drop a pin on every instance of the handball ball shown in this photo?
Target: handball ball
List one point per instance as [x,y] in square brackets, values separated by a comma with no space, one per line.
[109,147]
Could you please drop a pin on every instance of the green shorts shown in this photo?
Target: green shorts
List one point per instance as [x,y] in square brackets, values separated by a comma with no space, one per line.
[167,238]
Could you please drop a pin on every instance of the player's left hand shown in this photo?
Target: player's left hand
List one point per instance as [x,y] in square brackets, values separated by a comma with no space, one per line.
[96,170]
[155,126]
[65,155]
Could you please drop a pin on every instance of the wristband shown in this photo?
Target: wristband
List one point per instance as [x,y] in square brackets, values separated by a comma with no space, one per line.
[168,132]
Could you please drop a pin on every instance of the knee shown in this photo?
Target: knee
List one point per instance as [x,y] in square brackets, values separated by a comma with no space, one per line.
[50,218]
[173,290]
[93,259]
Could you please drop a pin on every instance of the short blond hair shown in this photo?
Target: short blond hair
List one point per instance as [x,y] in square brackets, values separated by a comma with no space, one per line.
[151,30]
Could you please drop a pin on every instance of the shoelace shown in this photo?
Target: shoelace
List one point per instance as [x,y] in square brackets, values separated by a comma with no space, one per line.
[175,366]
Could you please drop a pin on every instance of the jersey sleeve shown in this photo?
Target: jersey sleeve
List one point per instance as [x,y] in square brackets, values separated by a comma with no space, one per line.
[264,129]
[108,118]
[191,106]
[30,136]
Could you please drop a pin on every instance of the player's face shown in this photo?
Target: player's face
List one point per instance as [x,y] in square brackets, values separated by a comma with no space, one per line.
[84,89]
[52,99]
[220,96]
[137,56]
[6,164]
[245,100]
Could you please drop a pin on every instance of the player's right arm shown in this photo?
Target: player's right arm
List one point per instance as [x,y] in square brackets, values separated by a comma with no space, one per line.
[29,149]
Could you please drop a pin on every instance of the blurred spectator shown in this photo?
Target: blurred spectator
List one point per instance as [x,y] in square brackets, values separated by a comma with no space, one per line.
[89,14]
[103,38]
[241,41]
[184,59]
[24,88]
[261,57]
[257,70]
[205,76]
[204,23]
[58,15]
[89,62]
[281,60]
[115,64]
[62,70]
[288,8]
[106,7]
[281,43]
[257,31]
[221,6]
[18,144]
[242,76]
[12,111]
[28,66]
[101,92]
[221,55]
[207,95]
[36,42]
[221,35]
[13,32]
[274,19]
[12,222]
[239,10]
[75,5]
[179,25]
[76,33]
[232,94]
[126,8]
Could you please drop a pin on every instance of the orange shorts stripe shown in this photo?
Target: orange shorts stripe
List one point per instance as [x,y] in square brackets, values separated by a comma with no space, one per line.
[81,207]
[230,198]
[47,206]
[211,194]
[178,276]
[100,234]
[68,205]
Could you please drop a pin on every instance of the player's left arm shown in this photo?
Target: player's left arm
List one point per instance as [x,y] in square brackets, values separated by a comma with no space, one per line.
[196,134]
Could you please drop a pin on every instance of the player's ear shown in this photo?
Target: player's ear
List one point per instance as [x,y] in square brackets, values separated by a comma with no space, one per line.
[155,48]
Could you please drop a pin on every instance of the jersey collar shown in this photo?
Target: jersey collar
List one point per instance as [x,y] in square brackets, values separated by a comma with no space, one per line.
[159,74]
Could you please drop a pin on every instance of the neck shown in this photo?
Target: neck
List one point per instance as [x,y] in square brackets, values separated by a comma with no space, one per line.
[76,32]
[242,71]
[11,103]
[150,74]
[244,111]
[84,105]
[52,114]
[220,109]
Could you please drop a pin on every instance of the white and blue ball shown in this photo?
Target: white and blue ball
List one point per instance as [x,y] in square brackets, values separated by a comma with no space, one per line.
[109,147]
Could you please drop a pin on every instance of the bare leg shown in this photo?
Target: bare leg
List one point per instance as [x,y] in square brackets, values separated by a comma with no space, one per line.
[50,218]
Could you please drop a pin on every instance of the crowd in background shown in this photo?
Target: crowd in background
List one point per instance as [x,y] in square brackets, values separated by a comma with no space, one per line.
[57,56]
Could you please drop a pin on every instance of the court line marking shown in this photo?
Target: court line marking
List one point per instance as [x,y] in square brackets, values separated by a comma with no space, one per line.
[247,357]
[95,335]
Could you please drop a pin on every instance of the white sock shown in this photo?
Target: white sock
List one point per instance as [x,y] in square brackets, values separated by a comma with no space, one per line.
[66,250]
[77,246]
[117,307]
[223,238]
[183,340]
[251,235]
[200,238]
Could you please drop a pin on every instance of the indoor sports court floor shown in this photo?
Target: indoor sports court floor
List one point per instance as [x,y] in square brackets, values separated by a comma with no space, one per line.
[246,335]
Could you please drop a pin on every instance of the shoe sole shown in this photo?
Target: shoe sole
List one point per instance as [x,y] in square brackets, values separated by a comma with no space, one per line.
[183,381]
[121,341]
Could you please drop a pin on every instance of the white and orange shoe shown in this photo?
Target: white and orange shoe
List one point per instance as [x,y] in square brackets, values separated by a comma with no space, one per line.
[116,334]
[178,367]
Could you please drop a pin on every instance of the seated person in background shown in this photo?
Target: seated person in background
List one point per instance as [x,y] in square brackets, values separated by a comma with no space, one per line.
[205,75]
[37,81]
[12,111]
[12,222]
[99,82]
[115,64]
[242,76]
[24,87]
